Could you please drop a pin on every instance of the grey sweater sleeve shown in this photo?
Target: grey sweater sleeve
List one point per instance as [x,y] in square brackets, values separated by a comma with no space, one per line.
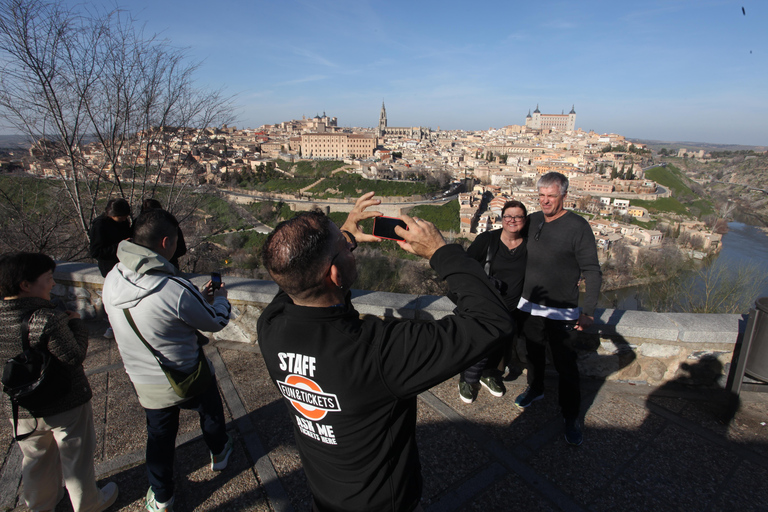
[586,255]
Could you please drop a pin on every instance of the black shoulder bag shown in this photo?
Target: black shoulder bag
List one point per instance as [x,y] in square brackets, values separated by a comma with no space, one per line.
[34,380]
[186,385]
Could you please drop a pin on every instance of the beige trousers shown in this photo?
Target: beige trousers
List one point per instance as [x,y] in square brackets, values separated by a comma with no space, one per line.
[62,446]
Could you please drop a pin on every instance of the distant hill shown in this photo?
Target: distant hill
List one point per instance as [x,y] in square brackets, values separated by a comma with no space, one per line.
[11,142]
[656,145]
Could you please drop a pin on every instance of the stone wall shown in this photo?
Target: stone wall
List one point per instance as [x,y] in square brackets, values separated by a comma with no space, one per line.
[628,346]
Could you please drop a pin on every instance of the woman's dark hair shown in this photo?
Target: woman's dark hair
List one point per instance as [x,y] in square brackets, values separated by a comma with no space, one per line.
[17,267]
[150,204]
[117,208]
[514,204]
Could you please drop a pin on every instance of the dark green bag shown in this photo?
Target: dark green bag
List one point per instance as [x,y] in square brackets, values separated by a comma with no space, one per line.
[186,385]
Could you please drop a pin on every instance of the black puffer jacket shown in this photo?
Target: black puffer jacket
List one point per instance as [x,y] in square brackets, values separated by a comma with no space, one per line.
[106,234]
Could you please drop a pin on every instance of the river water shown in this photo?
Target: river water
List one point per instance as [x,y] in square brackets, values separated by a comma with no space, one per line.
[742,245]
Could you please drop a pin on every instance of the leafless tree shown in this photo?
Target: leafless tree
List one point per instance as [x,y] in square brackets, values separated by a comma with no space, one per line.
[717,288]
[33,219]
[622,259]
[107,109]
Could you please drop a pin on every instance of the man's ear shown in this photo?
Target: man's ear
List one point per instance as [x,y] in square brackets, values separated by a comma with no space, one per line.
[335,275]
[165,243]
[25,286]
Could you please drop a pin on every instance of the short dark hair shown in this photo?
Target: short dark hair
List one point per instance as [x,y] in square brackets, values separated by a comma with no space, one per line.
[152,226]
[16,267]
[514,204]
[296,253]
[553,178]
[118,207]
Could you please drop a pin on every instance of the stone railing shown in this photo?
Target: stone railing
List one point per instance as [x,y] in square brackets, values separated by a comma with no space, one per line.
[629,346]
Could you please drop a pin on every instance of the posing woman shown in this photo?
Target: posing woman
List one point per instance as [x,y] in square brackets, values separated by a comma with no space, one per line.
[62,440]
[503,254]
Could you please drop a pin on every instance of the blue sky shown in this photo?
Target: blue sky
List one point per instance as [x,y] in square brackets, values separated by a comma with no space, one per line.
[670,69]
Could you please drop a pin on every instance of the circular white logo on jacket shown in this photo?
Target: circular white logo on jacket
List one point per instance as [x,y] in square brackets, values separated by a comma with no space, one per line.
[307,397]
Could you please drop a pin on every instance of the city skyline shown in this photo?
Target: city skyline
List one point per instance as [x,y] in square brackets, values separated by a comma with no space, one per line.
[680,71]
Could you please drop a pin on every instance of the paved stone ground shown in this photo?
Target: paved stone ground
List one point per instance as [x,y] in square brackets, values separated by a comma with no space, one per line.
[670,448]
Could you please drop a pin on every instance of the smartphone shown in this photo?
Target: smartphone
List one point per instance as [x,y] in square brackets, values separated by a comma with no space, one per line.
[384,227]
[215,280]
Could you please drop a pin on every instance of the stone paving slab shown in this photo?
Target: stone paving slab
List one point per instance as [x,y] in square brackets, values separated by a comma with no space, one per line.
[645,448]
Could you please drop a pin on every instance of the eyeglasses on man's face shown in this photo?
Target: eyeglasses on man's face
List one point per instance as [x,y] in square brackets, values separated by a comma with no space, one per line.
[351,244]
[514,218]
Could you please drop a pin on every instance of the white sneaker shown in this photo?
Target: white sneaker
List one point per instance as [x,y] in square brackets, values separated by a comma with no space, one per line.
[109,334]
[220,461]
[108,495]
[152,504]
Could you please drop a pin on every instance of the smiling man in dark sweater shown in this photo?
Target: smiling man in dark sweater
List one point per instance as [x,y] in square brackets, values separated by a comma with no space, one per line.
[350,383]
[561,248]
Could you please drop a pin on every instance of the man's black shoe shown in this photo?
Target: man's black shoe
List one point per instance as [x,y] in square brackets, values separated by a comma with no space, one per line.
[573,434]
[527,397]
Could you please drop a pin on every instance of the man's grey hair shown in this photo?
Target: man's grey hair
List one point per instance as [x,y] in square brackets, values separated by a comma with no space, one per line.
[553,178]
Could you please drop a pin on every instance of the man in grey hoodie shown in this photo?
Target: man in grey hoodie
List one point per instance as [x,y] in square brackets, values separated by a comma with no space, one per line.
[168,311]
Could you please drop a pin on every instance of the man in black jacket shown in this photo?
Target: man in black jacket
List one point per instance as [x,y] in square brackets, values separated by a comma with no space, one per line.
[350,383]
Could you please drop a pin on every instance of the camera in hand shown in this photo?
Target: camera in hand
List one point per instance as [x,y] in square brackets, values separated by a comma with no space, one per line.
[215,280]
[384,227]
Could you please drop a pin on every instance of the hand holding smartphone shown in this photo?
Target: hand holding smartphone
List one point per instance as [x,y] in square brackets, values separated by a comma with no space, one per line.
[384,227]
[215,280]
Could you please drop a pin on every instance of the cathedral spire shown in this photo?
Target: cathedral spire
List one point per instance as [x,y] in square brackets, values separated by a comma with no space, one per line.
[382,120]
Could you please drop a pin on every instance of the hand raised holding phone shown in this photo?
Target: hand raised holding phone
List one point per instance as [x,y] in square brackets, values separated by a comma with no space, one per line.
[214,288]
[421,237]
[384,227]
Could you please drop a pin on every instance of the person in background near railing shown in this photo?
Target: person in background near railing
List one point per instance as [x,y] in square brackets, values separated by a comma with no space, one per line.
[503,254]
[107,231]
[63,439]
[561,248]
[350,383]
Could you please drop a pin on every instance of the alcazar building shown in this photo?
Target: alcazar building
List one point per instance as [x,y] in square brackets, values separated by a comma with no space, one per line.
[562,122]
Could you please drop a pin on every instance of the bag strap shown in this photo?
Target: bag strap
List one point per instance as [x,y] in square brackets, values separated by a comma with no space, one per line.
[131,322]
[25,329]
[154,352]
[14,405]
[493,247]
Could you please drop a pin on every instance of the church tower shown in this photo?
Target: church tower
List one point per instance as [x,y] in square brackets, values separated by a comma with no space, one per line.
[382,121]
[572,119]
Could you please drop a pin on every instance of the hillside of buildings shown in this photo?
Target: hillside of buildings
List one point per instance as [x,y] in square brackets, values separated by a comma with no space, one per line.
[650,213]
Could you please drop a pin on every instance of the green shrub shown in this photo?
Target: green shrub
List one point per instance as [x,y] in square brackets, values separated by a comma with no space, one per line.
[444,217]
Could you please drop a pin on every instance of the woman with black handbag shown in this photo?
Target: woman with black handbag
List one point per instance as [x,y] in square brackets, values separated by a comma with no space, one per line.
[55,433]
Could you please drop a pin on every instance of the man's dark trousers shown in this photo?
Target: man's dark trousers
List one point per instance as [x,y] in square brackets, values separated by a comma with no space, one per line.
[162,427]
[540,331]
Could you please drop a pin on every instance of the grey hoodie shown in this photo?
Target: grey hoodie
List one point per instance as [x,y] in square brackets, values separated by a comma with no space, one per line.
[168,311]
